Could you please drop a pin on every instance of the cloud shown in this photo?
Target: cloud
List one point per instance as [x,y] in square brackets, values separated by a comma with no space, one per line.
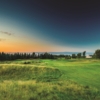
[7,33]
[1,39]
[12,34]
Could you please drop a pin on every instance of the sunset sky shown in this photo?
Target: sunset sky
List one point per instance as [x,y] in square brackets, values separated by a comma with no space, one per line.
[49,25]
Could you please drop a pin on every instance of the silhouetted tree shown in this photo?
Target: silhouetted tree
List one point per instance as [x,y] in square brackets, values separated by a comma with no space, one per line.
[79,55]
[73,55]
[97,53]
[84,54]
[67,57]
[33,55]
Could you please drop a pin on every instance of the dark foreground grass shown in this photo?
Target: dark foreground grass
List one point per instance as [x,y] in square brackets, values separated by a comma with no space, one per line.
[59,90]
[50,80]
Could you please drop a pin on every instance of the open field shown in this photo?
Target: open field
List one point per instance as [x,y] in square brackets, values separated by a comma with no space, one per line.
[60,79]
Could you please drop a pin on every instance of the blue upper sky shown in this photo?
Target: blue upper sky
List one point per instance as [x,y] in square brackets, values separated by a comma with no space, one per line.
[66,23]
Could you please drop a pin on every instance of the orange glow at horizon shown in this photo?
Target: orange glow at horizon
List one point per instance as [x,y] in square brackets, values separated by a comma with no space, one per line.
[27,43]
[23,44]
[26,47]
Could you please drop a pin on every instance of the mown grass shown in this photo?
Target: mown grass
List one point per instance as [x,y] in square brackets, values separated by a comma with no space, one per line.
[82,71]
[74,79]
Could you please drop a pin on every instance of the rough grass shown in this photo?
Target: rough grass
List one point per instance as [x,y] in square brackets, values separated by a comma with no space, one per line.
[29,73]
[50,79]
[60,90]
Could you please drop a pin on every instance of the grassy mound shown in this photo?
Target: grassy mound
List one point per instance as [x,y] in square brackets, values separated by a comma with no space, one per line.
[29,73]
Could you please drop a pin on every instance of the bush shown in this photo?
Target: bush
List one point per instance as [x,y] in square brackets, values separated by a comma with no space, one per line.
[27,62]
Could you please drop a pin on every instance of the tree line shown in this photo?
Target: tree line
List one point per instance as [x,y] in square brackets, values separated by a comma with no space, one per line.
[79,55]
[14,56]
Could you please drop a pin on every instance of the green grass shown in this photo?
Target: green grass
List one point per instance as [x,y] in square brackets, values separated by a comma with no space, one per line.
[29,73]
[86,72]
[60,79]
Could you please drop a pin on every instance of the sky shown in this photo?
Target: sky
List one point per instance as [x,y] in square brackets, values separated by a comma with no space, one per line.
[49,25]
